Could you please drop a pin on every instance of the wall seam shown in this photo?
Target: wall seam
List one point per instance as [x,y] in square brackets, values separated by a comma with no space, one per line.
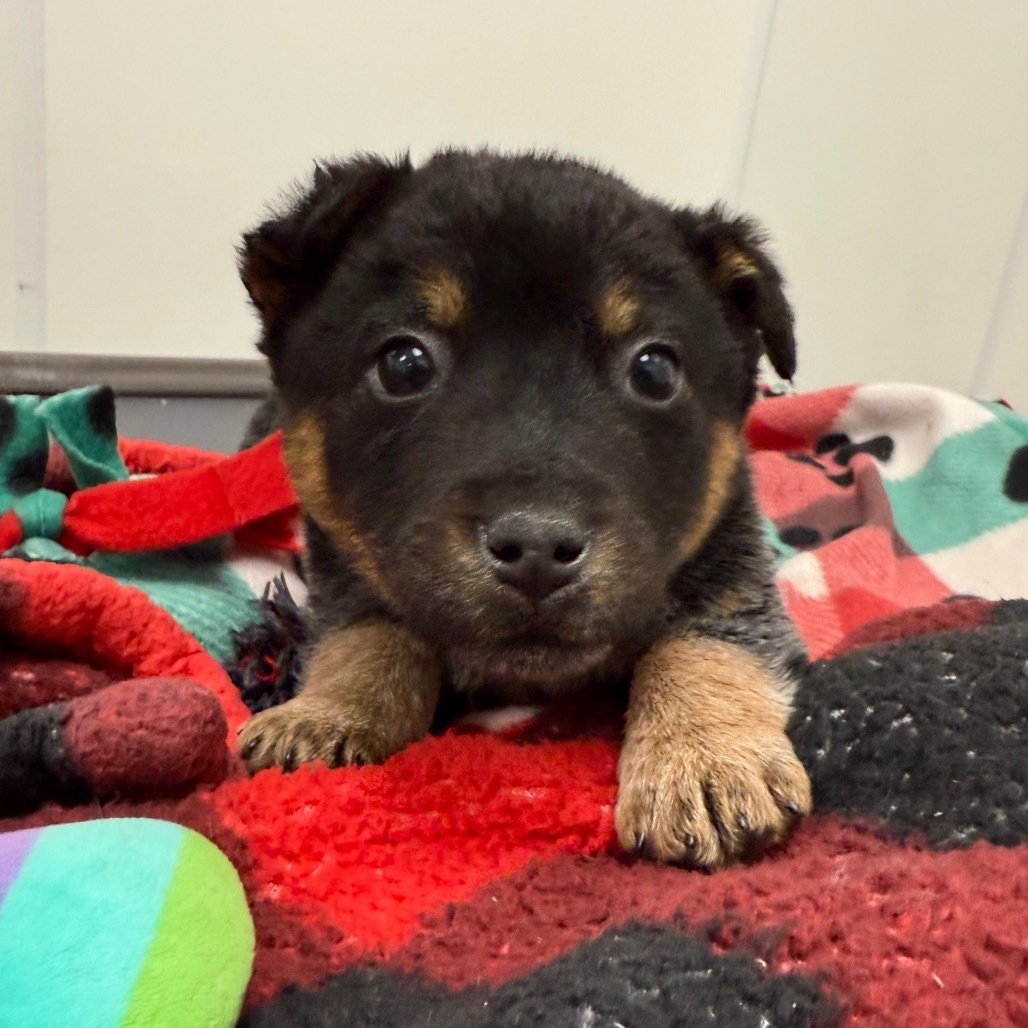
[754,86]
[1017,255]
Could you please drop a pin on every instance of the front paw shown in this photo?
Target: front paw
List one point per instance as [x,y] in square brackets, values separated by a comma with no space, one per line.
[369,690]
[307,729]
[707,802]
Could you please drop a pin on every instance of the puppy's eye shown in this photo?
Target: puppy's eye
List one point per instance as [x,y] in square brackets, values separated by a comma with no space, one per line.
[655,373]
[404,367]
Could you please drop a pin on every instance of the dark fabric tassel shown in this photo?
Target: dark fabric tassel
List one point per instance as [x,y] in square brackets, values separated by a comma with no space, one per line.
[268,653]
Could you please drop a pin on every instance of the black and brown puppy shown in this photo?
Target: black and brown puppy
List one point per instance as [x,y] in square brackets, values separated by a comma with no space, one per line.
[512,391]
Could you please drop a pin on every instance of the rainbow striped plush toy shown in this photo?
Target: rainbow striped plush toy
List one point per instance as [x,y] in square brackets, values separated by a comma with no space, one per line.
[120,922]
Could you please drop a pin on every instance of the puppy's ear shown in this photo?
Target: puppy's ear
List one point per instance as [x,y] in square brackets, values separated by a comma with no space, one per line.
[288,258]
[733,259]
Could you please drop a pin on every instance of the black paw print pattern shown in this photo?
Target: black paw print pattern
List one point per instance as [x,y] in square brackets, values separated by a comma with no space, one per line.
[839,512]
[1015,485]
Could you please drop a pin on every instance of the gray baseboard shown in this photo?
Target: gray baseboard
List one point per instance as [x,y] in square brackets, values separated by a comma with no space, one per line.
[49,373]
[204,403]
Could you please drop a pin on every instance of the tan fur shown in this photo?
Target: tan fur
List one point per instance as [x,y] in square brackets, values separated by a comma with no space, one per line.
[444,298]
[732,601]
[305,455]
[706,769]
[618,310]
[725,453]
[266,294]
[732,265]
[369,690]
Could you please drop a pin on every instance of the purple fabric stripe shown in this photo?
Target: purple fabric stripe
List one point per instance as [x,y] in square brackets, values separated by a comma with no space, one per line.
[14,848]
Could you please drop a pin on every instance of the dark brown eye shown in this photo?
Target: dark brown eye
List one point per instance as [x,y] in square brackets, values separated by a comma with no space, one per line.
[655,373]
[404,367]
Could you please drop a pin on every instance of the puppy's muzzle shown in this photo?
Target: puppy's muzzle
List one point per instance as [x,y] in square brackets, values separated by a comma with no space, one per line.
[535,553]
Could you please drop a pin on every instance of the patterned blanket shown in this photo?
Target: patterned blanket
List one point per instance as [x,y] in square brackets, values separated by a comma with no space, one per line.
[886,497]
[474,878]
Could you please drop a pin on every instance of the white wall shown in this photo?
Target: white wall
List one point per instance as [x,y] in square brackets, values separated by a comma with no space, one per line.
[883,142]
[890,153]
[22,176]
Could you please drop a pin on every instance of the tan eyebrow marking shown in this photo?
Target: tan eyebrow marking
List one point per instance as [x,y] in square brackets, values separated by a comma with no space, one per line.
[444,297]
[618,310]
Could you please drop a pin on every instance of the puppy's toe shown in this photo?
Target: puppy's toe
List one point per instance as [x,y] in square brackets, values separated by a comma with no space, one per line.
[311,740]
[258,739]
[789,784]
[742,811]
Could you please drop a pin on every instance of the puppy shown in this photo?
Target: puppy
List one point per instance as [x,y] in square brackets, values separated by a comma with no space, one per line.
[512,390]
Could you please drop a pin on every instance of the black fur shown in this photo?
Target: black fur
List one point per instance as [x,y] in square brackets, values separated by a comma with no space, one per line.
[531,410]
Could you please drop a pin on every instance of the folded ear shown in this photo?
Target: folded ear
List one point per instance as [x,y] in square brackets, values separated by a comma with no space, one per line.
[733,259]
[288,258]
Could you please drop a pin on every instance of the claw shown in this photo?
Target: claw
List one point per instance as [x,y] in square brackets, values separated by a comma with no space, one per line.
[250,746]
[291,759]
[640,841]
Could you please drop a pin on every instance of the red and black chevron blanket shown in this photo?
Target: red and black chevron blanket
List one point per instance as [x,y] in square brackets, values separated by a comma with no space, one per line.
[474,878]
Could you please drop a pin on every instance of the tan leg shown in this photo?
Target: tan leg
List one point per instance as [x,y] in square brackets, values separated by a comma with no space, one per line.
[369,691]
[707,773]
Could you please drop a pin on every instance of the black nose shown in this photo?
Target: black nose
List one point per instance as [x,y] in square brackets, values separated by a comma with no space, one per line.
[535,553]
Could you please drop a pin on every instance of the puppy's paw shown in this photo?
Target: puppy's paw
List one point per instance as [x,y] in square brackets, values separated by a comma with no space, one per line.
[707,802]
[369,690]
[307,729]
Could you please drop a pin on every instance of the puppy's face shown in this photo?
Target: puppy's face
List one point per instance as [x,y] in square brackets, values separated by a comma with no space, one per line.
[513,390]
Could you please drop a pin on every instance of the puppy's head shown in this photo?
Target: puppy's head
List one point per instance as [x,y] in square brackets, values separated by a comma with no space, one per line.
[513,389]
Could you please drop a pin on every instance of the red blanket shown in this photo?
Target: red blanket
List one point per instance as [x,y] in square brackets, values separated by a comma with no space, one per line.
[474,878]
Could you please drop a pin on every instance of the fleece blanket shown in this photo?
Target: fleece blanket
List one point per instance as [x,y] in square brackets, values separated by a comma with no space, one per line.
[474,878]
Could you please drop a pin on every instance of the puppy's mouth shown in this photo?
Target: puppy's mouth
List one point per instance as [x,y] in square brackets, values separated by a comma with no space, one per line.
[543,661]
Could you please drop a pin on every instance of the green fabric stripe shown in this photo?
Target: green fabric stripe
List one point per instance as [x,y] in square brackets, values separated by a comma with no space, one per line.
[781,551]
[958,495]
[77,924]
[202,952]
[206,597]
[94,458]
